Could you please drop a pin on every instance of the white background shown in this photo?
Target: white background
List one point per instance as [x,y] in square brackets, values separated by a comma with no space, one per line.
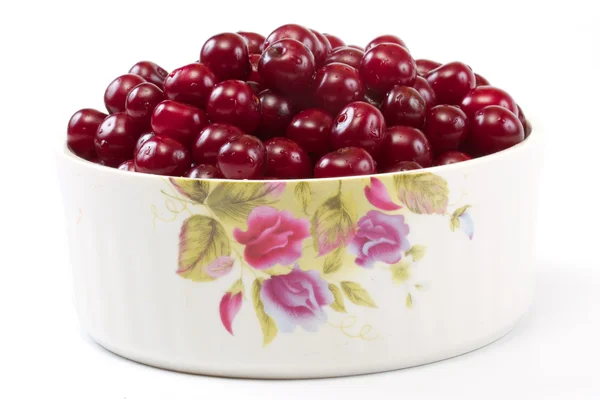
[58,56]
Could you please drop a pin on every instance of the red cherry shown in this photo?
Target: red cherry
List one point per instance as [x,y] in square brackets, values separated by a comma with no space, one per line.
[275,114]
[404,143]
[82,131]
[387,65]
[203,171]
[286,159]
[446,127]
[495,128]
[483,96]
[311,130]
[335,86]
[451,82]
[141,102]
[256,87]
[402,166]
[346,55]
[426,66]
[190,84]
[116,93]
[162,156]
[242,158]
[288,66]
[451,157]
[301,34]
[210,139]
[226,55]
[254,41]
[404,105]
[334,41]
[127,166]
[373,98]
[323,41]
[386,39]
[359,124]
[150,71]
[115,139]
[254,75]
[233,102]
[481,81]
[178,121]
[349,161]
[425,90]
[526,124]
[141,140]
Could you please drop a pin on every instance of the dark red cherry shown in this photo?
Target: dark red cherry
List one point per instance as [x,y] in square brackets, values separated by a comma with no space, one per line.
[404,143]
[387,65]
[311,130]
[116,93]
[190,84]
[288,66]
[359,124]
[141,101]
[82,131]
[275,114]
[426,66]
[385,39]
[254,41]
[115,139]
[141,140]
[481,81]
[451,82]
[234,102]
[178,121]
[335,86]
[208,142]
[301,34]
[203,171]
[128,165]
[493,129]
[446,127]
[425,90]
[254,75]
[525,122]
[402,166]
[226,55]
[404,105]
[346,55]
[255,86]
[483,96]
[323,41]
[334,41]
[286,159]
[150,71]
[349,161]
[162,156]
[451,157]
[242,158]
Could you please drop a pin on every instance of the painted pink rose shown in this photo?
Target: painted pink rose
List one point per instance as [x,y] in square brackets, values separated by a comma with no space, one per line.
[273,237]
[379,237]
[296,299]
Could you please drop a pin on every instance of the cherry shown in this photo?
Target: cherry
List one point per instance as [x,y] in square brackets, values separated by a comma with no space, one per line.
[451,157]
[426,66]
[526,124]
[162,156]
[404,105]
[349,161]
[346,55]
[374,99]
[233,102]
[141,140]
[288,66]
[242,158]
[422,86]
[495,128]
[127,166]
[387,65]
[256,87]
[404,143]
[311,130]
[359,124]
[275,114]
[334,41]
[323,41]
[386,39]
[190,84]
[141,101]
[451,82]
[203,171]
[117,91]
[402,166]
[150,71]
[254,75]
[481,81]
[82,131]
[115,139]
[336,85]
[178,121]
[483,96]
[286,159]
[446,127]
[254,41]
[301,34]
[210,139]
[226,54]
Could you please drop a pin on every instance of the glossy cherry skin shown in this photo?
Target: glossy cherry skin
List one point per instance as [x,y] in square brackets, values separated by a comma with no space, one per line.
[311,129]
[481,81]
[117,91]
[150,71]
[335,86]
[424,88]
[288,66]
[385,39]
[349,161]
[404,105]
[525,122]
[178,121]
[387,65]
[483,96]
[208,142]
[141,102]
[234,102]
[162,156]
[404,143]
[334,41]
[190,84]
[81,132]
[286,159]
[359,124]
[346,55]
[275,114]
[301,34]
[226,55]
[115,139]
[426,66]
[401,166]
[446,127]
[203,171]
[141,140]
[451,157]
[451,82]
[242,158]
[254,75]
[323,41]
[493,129]
[254,41]
[128,165]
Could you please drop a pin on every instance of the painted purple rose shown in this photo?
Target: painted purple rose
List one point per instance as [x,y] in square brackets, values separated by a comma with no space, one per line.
[379,237]
[296,299]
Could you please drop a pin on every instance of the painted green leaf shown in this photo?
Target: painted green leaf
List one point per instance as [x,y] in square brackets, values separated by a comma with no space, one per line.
[201,240]
[417,252]
[333,224]
[303,194]
[454,223]
[237,287]
[424,193]
[338,299]
[193,189]
[460,211]
[409,301]
[267,325]
[401,271]
[333,261]
[357,294]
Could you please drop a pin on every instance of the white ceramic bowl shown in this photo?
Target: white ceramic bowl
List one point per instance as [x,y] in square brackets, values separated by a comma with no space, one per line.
[302,279]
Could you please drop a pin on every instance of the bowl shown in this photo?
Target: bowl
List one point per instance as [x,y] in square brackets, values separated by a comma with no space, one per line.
[302,278]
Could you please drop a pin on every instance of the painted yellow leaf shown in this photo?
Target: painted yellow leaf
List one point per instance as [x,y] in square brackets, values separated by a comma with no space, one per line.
[417,252]
[237,287]
[333,224]
[460,211]
[333,261]
[424,193]
[338,299]
[267,325]
[193,189]
[303,194]
[454,223]
[401,271]
[409,301]
[201,240]
[357,294]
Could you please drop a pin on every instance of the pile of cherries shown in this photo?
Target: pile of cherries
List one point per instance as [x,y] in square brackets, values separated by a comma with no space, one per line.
[298,104]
